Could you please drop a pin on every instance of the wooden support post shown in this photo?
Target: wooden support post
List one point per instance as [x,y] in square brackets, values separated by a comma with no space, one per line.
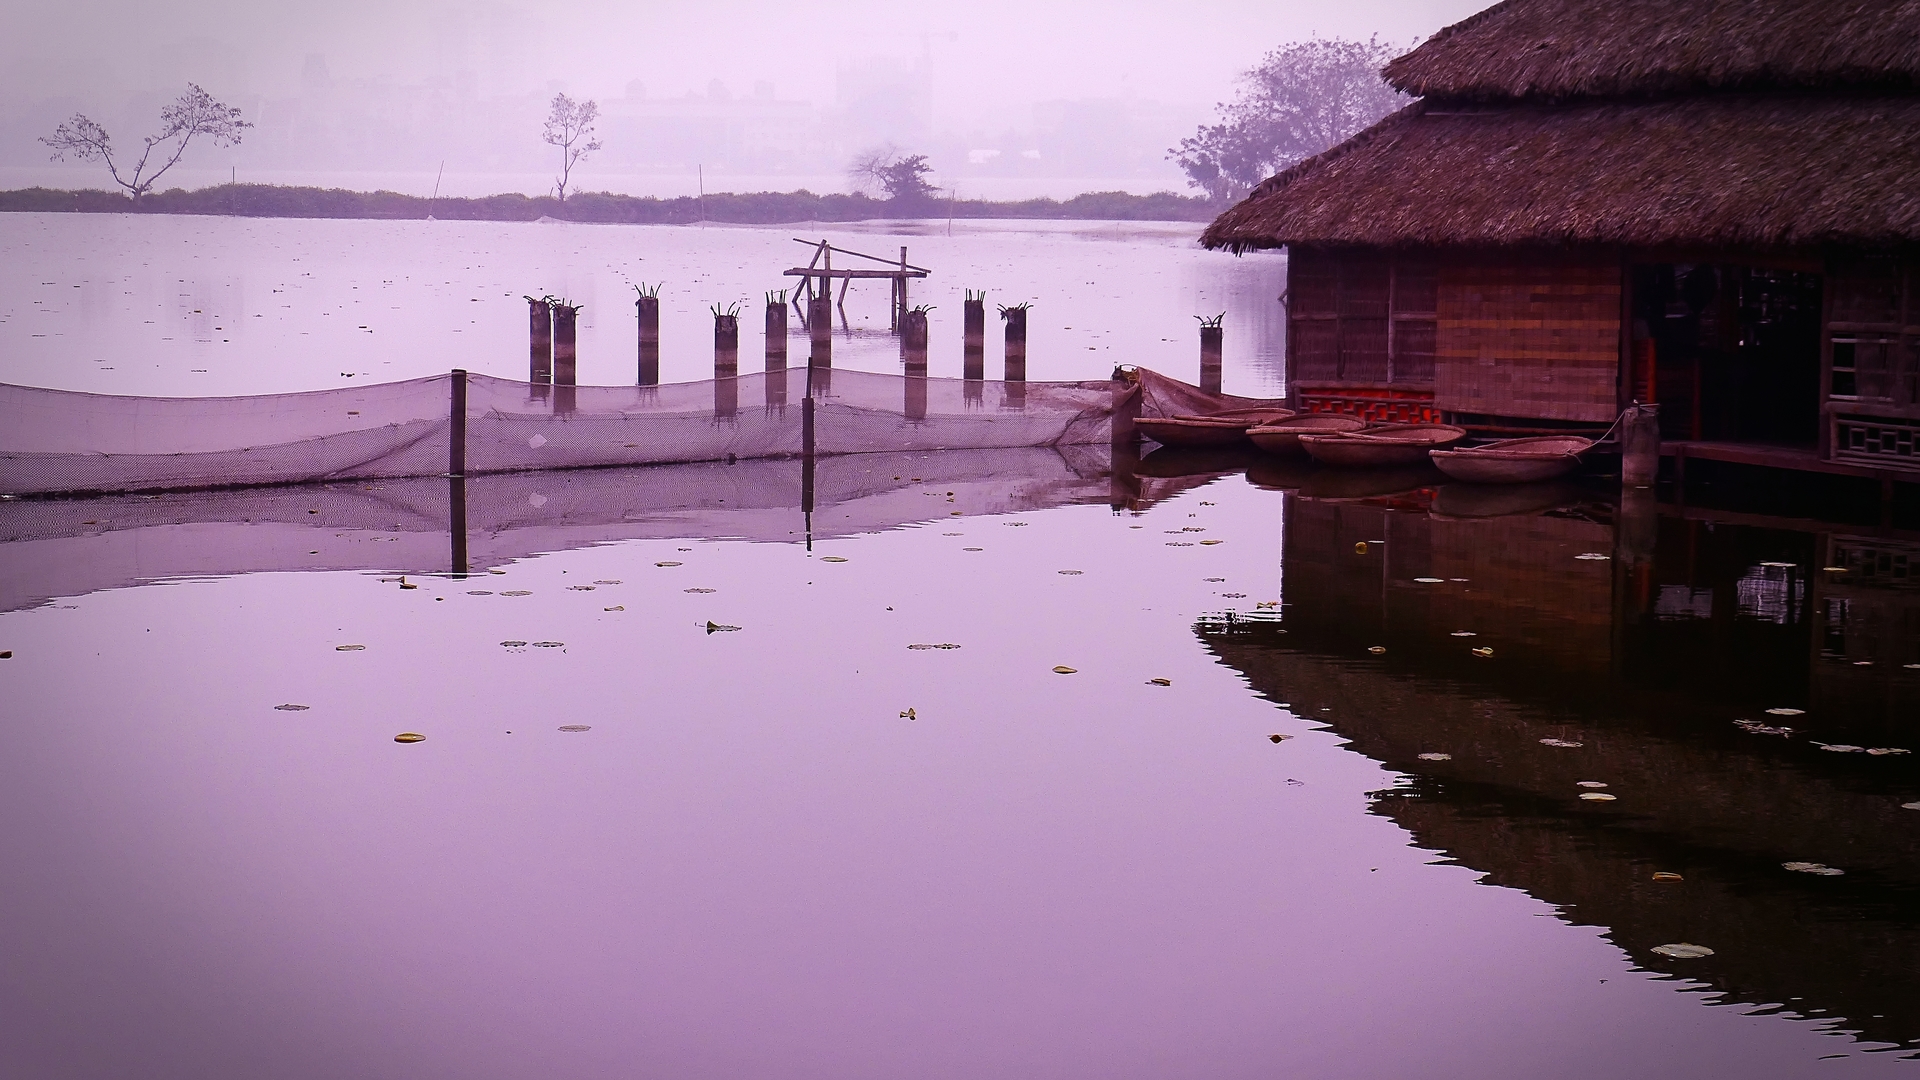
[913,339]
[539,341]
[648,310]
[776,335]
[900,313]
[973,320]
[820,318]
[1016,361]
[1640,446]
[1210,359]
[457,425]
[726,365]
[564,317]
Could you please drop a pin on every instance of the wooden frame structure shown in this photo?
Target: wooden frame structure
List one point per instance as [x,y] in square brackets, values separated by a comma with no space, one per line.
[820,269]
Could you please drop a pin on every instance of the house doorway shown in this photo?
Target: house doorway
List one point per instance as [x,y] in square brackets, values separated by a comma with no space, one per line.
[1731,353]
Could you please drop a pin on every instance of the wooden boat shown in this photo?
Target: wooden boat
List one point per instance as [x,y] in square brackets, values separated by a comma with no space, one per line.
[1207,429]
[1386,444]
[1513,461]
[1284,437]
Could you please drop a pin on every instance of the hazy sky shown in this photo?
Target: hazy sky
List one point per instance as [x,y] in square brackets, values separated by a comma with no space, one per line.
[988,55]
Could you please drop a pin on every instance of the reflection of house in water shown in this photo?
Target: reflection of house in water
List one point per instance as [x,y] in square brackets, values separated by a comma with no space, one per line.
[1645,659]
[1703,205]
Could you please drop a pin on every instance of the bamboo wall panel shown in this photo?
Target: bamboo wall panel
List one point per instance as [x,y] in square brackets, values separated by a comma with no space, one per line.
[1529,339]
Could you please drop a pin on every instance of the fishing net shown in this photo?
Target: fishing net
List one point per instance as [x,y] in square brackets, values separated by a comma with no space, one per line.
[55,441]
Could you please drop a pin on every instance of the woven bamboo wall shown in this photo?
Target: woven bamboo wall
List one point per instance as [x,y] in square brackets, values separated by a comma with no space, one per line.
[1529,338]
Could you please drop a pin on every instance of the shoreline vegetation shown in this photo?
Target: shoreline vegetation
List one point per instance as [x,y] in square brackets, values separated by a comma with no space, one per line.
[758,208]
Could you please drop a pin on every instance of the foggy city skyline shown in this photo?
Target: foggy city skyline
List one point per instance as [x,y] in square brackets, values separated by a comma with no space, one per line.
[1006,100]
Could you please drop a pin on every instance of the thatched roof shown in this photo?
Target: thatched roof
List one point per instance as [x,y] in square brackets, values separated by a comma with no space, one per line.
[1615,48]
[1766,170]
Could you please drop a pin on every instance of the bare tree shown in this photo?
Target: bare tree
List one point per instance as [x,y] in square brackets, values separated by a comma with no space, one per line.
[570,127]
[195,112]
[1303,98]
[903,177]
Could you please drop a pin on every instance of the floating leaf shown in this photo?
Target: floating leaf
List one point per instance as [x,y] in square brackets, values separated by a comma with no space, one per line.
[1841,748]
[608,581]
[576,727]
[1159,682]
[1592,556]
[1667,875]
[408,585]
[1210,543]
[669,562]
[579,588]
[1014,524]
[291,708]
[549,644]
[1882,751]
[1062,669]
[1819,869]
[719,628]
[1377,649]
[6,654]
[1779,565]
[616,607]
[697,590]
[514,644]
[1590,784]
[1755,727]
[1464,633]
[1278,738]
[1786,712]
[1178,543]
[1360,548]
[1436,757]
[1431,580]
[973,549]
[909,714]
[1483,653]
[1266,605]
[409,736]
[1597,796]
[1910,806]
[349,648]
[502,573]
[1562,743]
[942,645]
[1834,569]
[517,592]
[1213,579]
[479,592]
[1683,951]
[831,558]
[1070,573]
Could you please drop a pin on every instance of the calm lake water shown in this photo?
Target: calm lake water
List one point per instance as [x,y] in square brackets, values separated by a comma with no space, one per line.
[717,786]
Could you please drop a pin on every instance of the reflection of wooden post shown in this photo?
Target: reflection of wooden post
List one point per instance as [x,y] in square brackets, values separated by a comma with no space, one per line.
[1640,446]
[974,350]
[539,341]
[648,308]
[900,312]
[1210,359]
[726,365]
[563,356]
[913,338]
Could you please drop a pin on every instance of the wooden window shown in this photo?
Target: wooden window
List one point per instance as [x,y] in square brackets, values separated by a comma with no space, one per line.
[1361,317]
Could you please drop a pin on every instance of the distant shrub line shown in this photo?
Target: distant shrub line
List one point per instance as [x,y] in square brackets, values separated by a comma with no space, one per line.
[762,208]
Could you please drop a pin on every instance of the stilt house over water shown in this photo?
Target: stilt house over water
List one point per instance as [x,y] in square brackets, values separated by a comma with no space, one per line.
[1709,204]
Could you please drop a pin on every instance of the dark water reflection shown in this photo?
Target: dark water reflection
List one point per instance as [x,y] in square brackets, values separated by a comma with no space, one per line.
[1658,652]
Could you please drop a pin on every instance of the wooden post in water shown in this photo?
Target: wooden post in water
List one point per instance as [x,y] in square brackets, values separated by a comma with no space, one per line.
[776,392]
[913,339]
[901,307]
[1640,446]
[820,318]
[647,307]
[1210,356]
[1015,373]
[563,355]
[539,341]
[726,363]
[973,318]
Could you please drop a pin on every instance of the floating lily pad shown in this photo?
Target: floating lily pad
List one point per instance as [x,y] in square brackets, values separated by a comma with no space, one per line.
[1683,951]
[349,648]
[517,592]
[1755,727]
[831,558]
[1436,757]
[479,592]
[409,736]
[1213,579]
[1592,556]
[1431,580]
[1882,751]
[1159,682]
[1778,565]
[1565,744]
[1667,875]
[1464,633]
[1833,569]
[719,628]
[1062,669]
[576,727]
[608,581]
[549,644]
[697,590]
[1818,869]
[502,573]
[1842,748]
[1597,796]
[1014,524]
[291,708]
[1786,712]
[579,588]
[668,562]
[514,644]
[942,645]
[1070,573]
[1590,784]
[1210,543]
[973,549]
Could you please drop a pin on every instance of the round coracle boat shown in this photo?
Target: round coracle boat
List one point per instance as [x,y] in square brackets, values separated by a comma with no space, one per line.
[1382,445]
[1513,461]
[1284,437]
[1210,429]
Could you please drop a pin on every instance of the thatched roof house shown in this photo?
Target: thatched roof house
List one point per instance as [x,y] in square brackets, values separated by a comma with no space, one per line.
[1709,203]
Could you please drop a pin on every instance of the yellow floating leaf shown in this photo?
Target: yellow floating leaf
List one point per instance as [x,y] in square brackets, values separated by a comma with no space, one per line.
[1483,653]
[909,715]
[1160,682]
[1062,669]
[409,736]
[1597,796]
[1360,548]
[1667,875]
[1377,649]
[1210,543]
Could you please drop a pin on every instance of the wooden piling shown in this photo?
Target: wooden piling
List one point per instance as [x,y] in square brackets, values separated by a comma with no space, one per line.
[776,334]
[539,341]
[1016,362]
[648,309]
[564,316]
[726,364]
[913,340]
[1210,358]
[973,364]
[457,424]
[1640,446]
